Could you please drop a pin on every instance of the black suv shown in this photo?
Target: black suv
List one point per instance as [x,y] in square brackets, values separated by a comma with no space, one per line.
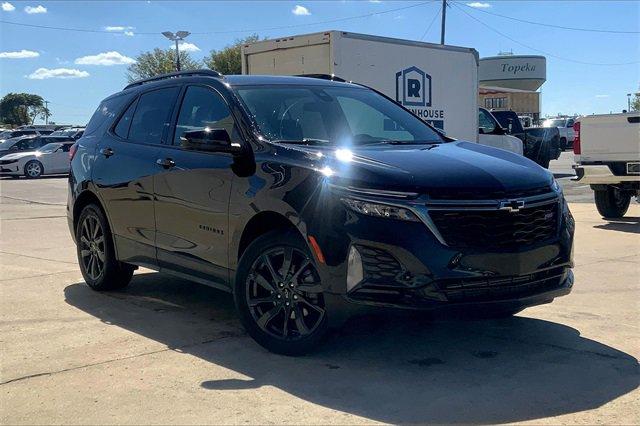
[310,200]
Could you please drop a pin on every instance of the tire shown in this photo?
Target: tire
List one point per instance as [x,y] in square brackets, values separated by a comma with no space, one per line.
[612,203]
[544,162]
[33,169]
[96,255]
[285,312]
[563,143]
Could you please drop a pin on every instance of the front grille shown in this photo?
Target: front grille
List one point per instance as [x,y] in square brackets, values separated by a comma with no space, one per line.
[379,265]
[497,229]
[5,162]
[500,288]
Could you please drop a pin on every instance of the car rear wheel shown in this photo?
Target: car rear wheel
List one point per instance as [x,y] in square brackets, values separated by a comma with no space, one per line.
[612,203]
[33,169]
[278,294]
[96,255]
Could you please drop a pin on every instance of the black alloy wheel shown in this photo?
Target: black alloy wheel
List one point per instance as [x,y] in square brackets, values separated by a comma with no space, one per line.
[279,294]
[92,249]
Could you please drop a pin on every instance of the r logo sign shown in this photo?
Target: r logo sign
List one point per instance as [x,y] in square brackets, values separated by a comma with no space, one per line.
[413,87]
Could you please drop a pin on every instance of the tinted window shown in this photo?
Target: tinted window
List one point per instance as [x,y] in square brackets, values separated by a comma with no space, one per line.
[122,128]
[486,122]
[152,116]
[105,113]
[202,108]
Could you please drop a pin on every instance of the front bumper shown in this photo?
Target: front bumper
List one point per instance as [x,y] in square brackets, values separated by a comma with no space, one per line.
[597,174]
[11,169]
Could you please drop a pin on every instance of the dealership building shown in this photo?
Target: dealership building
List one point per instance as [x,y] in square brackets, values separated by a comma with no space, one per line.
[512,83]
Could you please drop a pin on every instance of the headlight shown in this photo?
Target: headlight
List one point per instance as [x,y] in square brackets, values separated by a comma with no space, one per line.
[380,210]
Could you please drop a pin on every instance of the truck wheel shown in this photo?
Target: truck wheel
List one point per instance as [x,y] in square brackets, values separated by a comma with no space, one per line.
[563,143]
[611,202]
[278,294]
[96,255]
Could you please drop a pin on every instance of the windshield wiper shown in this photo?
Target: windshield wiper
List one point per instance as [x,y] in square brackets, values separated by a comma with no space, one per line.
[303,141]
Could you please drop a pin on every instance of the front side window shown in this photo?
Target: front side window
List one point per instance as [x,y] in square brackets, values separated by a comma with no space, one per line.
[50,147]
[203,108]
[152,116]
[332,115]
[486,123]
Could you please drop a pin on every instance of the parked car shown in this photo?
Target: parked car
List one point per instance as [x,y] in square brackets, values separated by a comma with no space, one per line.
[52,158]
[607,156]
[72,132]
[491,133]
[310,200]
[10,134]
[565,127]
[27,143]
[540,144]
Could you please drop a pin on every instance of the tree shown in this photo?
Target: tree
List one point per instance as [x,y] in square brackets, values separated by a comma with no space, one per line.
[17,108]
[635,102]
[157,62]
[228,60]
[37,111]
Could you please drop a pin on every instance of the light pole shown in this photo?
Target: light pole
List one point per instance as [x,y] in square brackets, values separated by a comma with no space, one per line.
[177,37]
[628,102]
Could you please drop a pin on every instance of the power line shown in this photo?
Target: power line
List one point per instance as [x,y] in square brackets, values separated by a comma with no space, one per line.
[542,24]
[281,27]
[538,50]
[430,25]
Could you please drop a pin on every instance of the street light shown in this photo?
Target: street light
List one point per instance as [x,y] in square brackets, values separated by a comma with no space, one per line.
[177,37]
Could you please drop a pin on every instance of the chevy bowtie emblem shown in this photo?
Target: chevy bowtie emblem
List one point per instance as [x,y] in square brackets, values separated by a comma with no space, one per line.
[511,205]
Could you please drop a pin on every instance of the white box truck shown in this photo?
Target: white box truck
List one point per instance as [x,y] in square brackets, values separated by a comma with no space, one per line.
[437,83]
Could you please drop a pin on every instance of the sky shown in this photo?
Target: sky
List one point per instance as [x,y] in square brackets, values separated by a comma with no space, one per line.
[74,70]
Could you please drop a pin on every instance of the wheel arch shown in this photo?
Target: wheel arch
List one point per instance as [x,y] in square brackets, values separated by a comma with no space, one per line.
[260,224]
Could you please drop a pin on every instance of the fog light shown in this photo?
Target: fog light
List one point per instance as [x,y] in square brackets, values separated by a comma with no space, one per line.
[354,269]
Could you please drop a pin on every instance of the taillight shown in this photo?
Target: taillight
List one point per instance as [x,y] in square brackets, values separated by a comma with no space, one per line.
[72,151]
[576,140]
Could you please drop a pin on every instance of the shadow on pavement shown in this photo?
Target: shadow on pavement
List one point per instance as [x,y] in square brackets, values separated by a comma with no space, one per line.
[623,224]
[393,368]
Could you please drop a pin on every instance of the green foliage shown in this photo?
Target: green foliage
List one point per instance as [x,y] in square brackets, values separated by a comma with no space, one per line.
[157,62]
[635,102]
[228,60]
[18,109]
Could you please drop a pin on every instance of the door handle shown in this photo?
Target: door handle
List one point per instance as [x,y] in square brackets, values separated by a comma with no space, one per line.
[107,152]
[166,163]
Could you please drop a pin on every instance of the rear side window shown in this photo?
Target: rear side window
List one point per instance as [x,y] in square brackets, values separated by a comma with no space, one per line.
[105,113]
[122,128]
[152,116]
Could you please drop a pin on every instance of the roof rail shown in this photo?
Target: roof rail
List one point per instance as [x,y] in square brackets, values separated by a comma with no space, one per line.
[192,73]
[331,77]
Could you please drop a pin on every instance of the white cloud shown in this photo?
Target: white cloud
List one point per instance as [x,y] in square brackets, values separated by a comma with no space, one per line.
[35,9]
[375,1]
[21,54]
[300,10]
[43,73]
[479,5]
[128,33]
[8,7]
[106,59]
[117,28]
[187,47]
[602,96]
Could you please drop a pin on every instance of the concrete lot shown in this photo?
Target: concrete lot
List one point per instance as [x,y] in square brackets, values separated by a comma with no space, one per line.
[169,351]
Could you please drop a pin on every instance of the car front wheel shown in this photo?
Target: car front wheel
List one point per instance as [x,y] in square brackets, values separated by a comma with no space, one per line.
[278,294]
[33,169]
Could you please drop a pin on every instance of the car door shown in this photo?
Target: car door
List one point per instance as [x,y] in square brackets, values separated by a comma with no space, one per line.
[58,161]
[491,134]
[124,170]
[192,192]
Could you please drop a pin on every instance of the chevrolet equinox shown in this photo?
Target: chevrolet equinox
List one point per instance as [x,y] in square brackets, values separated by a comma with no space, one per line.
[309,200]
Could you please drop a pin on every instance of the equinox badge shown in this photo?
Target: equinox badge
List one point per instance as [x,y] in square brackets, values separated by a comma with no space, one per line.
[512,205]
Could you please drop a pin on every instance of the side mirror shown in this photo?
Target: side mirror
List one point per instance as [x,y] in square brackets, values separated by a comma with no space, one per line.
[209,140]
[510,128]
[481,130]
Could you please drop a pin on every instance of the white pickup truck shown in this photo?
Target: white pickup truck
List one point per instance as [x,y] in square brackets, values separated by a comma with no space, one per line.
[565,127]
[607,156]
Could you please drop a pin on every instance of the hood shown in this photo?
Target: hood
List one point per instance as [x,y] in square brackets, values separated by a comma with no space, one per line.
[448,168]
[17,155]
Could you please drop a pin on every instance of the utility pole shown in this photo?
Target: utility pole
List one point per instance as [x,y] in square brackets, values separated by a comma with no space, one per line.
[177,37]
[46,112]
[444,19]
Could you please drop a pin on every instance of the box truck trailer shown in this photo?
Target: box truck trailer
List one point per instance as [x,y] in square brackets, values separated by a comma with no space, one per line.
[438,83]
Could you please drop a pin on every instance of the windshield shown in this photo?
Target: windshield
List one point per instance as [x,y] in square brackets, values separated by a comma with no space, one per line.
[6,134]
[50,147]
[66,132]
[554,123]
[332,115]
